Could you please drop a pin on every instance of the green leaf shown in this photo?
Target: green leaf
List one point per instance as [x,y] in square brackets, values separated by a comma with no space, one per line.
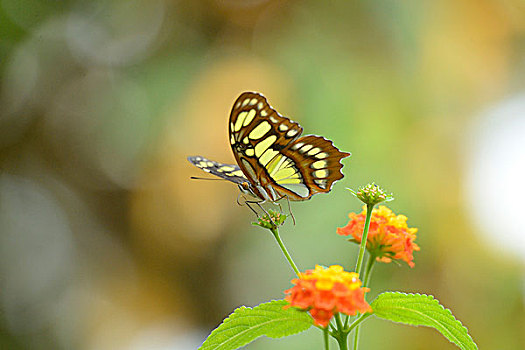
[422,310]
[245,325]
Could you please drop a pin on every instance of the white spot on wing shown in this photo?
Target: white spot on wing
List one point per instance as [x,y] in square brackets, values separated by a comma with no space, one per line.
[321,173]
[249,117]
[260,130]
[264,145]
[292,133]
[297,145]
[321,183]
[267,156]
[237,173]
[240,119]
[319,164]
[305,148]
[314,151]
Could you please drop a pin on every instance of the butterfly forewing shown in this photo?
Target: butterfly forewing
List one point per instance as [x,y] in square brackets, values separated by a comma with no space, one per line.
[258,133]
[229,172]
[270,152]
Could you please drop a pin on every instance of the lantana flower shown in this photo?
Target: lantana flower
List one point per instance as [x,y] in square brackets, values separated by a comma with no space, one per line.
[389,237]
[327,291]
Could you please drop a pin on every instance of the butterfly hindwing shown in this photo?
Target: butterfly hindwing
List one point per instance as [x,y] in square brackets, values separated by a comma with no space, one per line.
[310,165]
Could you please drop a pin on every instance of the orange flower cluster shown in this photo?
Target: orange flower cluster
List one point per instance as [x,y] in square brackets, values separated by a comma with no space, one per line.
[388,236]
[327,291]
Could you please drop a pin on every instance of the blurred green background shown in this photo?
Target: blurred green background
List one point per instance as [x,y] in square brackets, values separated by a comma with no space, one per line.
[105,242]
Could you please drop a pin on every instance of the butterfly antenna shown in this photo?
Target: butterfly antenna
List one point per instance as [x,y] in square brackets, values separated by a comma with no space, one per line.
[206,178]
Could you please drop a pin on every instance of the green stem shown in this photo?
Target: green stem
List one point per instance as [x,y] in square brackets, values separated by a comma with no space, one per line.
[364,237]
[358,321]
[341,335]
[356,338]
[275,233]
[359,265]
[366,278]
[339,322]
[368,269]
[325,335]
[342,341]
[355,325]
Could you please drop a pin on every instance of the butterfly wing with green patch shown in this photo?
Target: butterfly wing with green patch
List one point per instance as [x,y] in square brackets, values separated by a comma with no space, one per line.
[273,156]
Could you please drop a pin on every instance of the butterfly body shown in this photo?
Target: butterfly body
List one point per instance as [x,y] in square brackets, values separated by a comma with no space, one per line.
[273,160]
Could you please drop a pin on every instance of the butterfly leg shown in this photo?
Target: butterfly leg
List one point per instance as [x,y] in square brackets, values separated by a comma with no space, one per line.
[290,209]
[239,203]
[249,206]
[260,206]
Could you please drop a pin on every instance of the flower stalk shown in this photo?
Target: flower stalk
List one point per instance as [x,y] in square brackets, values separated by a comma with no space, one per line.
[368,269]
[325,338]
[358,266]
[275,232]
[368,272]
[362,246]
[272,221]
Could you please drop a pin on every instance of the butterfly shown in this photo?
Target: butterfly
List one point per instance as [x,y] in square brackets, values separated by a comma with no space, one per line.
[273,160]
